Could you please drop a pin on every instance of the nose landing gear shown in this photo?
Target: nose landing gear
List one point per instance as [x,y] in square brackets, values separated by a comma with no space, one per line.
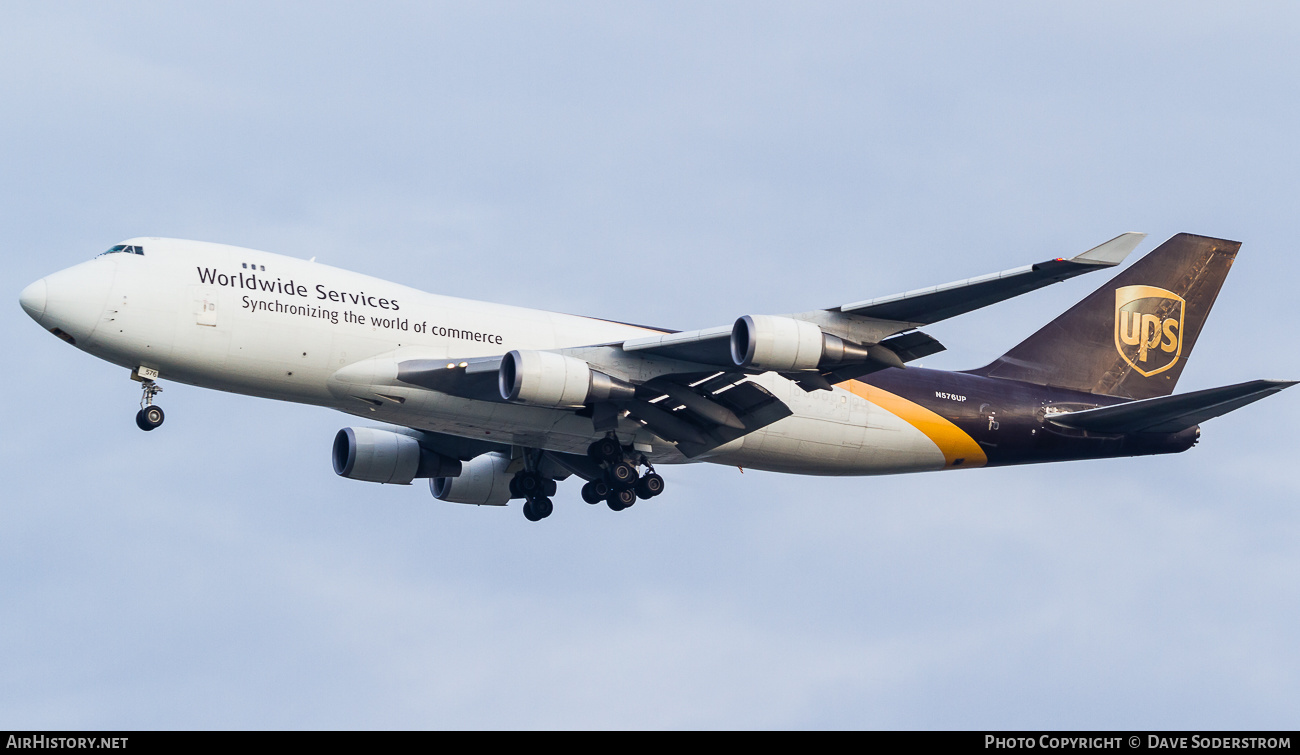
[149,417]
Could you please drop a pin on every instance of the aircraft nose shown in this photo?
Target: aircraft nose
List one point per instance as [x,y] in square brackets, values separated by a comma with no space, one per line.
[33,299]
[71,302]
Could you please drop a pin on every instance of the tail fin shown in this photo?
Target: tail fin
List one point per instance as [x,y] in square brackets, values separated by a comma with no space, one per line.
[1131,337]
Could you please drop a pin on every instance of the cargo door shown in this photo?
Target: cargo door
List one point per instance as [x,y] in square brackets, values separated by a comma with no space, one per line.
[205,306]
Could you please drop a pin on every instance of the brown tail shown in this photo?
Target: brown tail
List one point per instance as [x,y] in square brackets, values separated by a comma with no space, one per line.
[1132,336]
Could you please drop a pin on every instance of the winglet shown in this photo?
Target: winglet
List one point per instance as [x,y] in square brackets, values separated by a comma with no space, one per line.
[1112,252]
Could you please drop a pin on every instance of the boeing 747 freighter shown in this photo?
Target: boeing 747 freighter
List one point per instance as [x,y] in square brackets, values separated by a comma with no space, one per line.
[493,403]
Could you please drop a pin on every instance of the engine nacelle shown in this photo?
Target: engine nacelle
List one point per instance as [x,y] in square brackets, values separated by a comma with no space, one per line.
[483,481]
[783,344]
[545,378]
[374,455]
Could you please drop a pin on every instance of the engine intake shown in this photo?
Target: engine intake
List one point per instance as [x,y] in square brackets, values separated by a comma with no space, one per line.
[545,378]
[370,454]
[783,344]
[483,481]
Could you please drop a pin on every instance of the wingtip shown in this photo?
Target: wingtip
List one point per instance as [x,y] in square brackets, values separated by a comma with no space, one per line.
[1114,251]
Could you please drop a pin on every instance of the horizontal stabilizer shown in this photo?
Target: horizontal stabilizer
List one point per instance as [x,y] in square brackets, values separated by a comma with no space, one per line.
[1171,414]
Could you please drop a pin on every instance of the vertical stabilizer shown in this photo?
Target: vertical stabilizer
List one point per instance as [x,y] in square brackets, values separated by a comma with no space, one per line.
[1132,336]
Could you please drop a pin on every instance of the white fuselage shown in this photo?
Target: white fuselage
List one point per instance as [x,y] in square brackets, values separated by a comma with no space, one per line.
[266,325]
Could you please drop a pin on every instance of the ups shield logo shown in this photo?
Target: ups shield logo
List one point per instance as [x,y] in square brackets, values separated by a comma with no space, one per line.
[1149,327]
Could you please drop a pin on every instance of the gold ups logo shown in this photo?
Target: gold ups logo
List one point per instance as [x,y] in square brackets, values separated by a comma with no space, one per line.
[1149,327]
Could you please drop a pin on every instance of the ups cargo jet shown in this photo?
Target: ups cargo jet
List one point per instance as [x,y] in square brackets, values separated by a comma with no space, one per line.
[491,402]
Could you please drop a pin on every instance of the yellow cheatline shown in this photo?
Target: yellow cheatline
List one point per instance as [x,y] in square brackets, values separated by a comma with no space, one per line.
[959,449]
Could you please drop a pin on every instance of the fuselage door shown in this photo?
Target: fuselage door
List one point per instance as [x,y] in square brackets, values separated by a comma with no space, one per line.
[990,416]
[205,306]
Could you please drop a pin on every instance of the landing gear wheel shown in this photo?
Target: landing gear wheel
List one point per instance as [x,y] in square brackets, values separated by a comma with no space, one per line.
[149,418]
[605,449]
[537,509]
[531,485]
[649,486]
[622,475]
[621,499]
[527,484]
[595,492]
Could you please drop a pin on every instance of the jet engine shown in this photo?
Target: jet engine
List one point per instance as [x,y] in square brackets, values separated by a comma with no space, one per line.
[483,481]
[544,378]
[783,344]
[374,455]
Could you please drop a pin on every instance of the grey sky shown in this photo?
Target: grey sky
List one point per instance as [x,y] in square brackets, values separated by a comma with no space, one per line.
[672,164]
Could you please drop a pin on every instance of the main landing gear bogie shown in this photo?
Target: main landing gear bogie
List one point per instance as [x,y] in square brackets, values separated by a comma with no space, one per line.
[536,491]
[619,486]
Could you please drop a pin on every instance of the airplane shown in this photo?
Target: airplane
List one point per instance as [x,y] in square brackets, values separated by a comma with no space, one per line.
[492,403]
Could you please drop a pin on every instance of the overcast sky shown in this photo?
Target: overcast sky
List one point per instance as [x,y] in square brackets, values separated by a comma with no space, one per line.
[677,164]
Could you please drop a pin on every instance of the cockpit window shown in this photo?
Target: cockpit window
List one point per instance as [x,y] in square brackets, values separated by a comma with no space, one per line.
[124,249]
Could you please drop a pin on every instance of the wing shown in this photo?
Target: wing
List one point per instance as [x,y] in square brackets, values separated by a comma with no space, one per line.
[875,324]
[930,305]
